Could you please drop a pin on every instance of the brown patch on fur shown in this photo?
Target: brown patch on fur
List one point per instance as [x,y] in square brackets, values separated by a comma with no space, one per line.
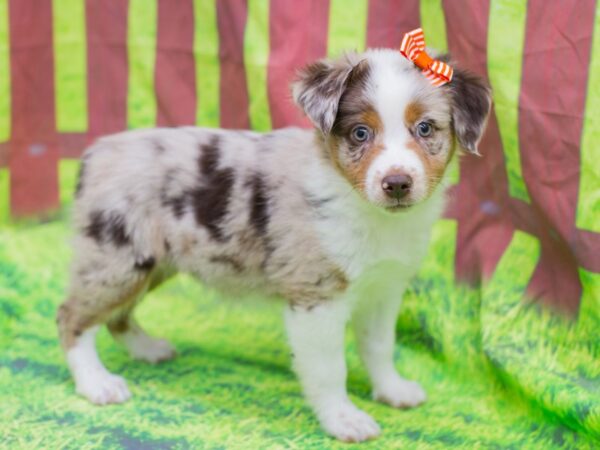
[326,286]
[74,316]
[350,158]
[119,325]
[434,165]
[358,172]
[336,279]
[413,112]
[228,260]
[371,118]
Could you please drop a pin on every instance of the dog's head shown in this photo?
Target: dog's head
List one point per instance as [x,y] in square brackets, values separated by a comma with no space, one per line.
[387,129]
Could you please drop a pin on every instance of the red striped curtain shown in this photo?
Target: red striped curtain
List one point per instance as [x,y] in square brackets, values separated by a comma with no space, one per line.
[72,70]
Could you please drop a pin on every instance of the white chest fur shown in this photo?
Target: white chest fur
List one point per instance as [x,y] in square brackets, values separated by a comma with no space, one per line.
[361,238]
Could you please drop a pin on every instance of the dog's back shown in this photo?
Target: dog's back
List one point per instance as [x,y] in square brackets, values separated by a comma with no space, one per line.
[226,206]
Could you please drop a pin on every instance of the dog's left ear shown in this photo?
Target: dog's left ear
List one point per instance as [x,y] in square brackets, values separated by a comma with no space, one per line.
[471,103]
[318,88]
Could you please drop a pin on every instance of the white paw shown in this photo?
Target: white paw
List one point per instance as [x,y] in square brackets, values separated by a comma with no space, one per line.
[149,349]
[102,387]
[400,393]
[348,423]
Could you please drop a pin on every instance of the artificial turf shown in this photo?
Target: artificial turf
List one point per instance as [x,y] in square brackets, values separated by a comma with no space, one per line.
[500,372]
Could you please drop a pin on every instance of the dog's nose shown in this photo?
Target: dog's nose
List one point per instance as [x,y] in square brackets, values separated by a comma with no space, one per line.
[397,186]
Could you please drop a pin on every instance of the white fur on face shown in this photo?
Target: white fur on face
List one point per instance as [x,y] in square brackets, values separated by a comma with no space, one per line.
[393,86]
[394,159]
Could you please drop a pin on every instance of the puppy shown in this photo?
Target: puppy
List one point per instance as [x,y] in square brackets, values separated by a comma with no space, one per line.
[335,220]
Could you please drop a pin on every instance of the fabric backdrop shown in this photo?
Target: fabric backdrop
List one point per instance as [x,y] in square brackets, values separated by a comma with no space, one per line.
[501,326]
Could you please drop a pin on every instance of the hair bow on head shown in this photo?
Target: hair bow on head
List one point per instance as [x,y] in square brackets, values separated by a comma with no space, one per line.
[413,48]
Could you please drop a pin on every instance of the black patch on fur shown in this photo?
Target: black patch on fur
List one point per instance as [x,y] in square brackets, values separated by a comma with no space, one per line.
[471,102]
[106,227]
[80,177]
[353,102]
[177,205]
[314,201]
[209,158]
[159,147]
[237,266]
[317,204]
[210,201]
[326,81]
[116,230]
[269,249]
[95,228]
[145,264]
[322,85]
[259,205]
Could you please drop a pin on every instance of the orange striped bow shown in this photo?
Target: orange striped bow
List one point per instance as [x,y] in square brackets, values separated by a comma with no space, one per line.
[413,48]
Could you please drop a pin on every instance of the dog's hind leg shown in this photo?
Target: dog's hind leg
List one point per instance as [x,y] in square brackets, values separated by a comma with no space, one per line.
[102,285]
[126,330]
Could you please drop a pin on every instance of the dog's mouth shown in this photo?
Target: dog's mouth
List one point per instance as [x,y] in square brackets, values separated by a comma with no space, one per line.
[398,207]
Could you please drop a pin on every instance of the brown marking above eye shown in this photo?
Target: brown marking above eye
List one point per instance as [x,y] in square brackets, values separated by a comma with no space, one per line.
[371,119]
[413,112]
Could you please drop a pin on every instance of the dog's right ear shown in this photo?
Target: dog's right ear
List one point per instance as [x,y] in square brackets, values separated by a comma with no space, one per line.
[318,89]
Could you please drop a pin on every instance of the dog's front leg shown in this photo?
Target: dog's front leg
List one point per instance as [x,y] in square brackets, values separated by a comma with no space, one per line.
[316,335]
[374,323]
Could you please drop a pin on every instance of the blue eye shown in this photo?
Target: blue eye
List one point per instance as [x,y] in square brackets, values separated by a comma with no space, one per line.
[361,133]
[424,129]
